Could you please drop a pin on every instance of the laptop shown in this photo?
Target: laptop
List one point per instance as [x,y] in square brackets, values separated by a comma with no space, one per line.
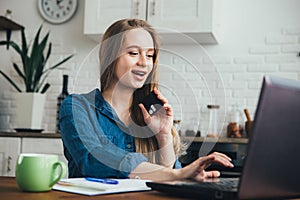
[272,165]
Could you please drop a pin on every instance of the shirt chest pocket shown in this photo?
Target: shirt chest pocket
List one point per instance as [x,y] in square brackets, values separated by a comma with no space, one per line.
[119,142]
[108,139]
[114,135]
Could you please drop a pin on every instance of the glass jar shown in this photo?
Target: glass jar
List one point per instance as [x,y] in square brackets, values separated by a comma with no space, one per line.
[213,121]
[190,127]
[235,122]
[176,124]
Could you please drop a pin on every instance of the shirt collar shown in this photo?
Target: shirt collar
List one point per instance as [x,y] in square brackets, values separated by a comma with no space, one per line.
[105,108]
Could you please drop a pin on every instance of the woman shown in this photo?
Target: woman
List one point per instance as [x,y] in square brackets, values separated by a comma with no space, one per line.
[109,133]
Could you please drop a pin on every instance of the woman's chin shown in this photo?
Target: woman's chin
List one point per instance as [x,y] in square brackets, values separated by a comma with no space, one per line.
[137,86]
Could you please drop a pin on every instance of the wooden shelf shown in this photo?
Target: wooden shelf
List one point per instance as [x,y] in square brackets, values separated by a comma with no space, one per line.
[9,26]
[30,134]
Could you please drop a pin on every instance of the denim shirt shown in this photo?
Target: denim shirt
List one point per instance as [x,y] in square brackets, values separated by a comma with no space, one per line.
[96,142]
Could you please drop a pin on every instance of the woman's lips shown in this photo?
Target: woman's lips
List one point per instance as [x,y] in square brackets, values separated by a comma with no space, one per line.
[138,74]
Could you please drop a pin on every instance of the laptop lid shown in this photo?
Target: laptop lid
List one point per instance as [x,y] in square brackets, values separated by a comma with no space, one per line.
[272,166]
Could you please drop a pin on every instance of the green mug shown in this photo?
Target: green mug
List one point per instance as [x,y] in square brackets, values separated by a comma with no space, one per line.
[38,172]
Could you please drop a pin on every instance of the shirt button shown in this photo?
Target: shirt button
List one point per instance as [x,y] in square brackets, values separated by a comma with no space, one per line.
[128,146]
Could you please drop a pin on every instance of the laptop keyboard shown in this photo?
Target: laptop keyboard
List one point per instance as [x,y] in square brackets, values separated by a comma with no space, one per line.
[222,184]
[226,184]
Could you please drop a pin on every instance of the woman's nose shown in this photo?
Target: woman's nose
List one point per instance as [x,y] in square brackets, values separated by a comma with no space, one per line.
[142,60]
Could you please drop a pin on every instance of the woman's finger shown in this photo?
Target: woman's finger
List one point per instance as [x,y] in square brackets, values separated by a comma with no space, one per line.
[221,159]
[168,109]
[212,174]
[147,117]
[160,96]
[222,155]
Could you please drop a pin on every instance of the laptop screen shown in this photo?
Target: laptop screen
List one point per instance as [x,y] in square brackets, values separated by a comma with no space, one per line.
[272,166]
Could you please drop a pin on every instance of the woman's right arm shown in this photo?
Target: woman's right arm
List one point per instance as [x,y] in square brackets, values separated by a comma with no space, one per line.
[88,147]
[195,170]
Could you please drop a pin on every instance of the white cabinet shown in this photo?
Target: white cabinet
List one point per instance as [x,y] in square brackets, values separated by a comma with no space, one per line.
[44,145]
[11,147]
[99,14]
[175,20]
[9,151]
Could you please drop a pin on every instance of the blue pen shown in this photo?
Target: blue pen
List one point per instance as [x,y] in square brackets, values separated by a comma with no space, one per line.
[100,180]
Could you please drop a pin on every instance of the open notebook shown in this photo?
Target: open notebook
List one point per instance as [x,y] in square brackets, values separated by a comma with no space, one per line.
[84,187]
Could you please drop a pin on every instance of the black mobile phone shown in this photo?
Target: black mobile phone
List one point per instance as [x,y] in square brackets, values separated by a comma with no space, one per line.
[152,103]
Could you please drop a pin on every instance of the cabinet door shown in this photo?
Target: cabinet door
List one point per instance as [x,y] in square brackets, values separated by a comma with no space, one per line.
[184,16]
[44,145]
[100,14]
[9,152]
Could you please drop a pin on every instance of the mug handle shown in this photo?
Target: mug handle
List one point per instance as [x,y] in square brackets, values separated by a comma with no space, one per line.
[62,172]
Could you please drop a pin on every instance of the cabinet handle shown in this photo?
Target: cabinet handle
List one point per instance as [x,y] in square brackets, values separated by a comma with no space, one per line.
[153,7]
[9,163]
[137,10]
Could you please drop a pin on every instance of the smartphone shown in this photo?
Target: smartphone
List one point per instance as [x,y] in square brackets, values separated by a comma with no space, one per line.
[152,103]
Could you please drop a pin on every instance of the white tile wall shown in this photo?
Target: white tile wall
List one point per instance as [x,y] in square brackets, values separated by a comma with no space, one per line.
[241,77]
[231,71]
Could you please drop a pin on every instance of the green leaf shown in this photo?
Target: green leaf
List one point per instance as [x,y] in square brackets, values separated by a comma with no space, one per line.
[14,45]
[16,67]
[10,81]
[61,62]
[33,61]
[24,42]
[24,56]
[48,53]
[40,64]
[47,72]
[45,88]
[3,43]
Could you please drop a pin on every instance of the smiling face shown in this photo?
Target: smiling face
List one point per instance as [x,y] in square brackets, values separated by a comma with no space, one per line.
[136,59]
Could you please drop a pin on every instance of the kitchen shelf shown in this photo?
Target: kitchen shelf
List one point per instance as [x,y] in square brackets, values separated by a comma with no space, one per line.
[235,148]
[216,140]
[9,26]
[30,134]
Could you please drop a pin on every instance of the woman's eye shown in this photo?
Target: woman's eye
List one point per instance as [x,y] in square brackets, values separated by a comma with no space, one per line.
[133,53]
[150,55]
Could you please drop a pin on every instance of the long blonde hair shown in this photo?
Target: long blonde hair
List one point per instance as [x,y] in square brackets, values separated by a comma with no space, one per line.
[110,49]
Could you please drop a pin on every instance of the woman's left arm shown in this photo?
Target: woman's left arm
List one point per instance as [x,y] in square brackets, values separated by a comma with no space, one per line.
[161,124]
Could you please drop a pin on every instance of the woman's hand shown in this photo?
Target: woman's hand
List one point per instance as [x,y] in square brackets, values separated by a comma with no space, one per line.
[161,125]
[196,170]
[162,121]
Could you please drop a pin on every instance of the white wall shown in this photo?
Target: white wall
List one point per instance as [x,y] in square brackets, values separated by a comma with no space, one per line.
[258,37]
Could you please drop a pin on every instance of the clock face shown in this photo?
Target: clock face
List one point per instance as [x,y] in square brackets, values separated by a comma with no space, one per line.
[57,11]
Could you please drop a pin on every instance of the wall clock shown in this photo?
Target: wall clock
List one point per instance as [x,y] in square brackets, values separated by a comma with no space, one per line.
[57,11]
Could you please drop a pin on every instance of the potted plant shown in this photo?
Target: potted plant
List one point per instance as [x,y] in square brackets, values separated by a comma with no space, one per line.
[34,57]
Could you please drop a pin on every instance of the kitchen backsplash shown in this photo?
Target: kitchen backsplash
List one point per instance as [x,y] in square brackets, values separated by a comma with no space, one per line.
[181,81]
